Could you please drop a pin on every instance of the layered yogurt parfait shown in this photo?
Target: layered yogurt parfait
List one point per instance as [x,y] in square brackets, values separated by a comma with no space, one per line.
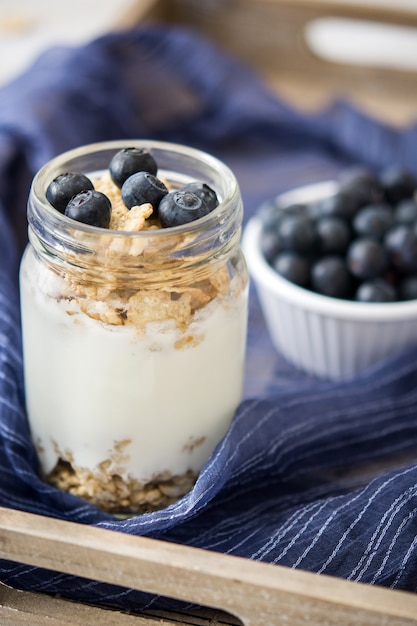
[134,308]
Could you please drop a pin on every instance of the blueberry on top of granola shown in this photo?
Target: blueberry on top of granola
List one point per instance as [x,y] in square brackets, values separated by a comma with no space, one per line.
[181,207]
[128,161]
[66,186]
[143,187]
[90,207]
[204,192]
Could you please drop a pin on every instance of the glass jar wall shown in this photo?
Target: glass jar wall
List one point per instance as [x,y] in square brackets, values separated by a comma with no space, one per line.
[133,340]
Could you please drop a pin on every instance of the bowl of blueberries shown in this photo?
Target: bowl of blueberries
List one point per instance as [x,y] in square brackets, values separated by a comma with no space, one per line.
[335,268]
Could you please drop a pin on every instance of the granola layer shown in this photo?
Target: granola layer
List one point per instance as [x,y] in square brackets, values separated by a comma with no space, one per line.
[114,494]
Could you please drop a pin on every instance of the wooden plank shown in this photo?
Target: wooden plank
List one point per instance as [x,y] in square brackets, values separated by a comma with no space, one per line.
[258,594]
[18,608]
[22,608]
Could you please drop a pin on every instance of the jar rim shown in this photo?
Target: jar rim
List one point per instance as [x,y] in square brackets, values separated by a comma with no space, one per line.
[55,166]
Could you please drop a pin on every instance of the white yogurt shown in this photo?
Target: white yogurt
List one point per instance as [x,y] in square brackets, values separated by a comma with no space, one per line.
[92,388]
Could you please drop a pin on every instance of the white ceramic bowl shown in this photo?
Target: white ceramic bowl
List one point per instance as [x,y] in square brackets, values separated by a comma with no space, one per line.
[328,337]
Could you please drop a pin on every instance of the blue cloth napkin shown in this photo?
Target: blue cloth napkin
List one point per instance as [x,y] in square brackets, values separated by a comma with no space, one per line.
[312,475]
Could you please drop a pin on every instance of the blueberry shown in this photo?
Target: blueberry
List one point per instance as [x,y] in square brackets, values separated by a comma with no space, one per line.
[398,184]
[373,221]
[360,184]
[401,244]
[66,186]
[330,277]
[340,204]
[293,267]
[406,211]
[297,233]
[333,235]
[143,187]
[377,290]
[128,161]
[90,207]
[367,258]
[407,289]
[181,207]
[204,192]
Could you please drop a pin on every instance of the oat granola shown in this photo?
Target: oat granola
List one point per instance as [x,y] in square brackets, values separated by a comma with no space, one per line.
[173,298]
[114,494]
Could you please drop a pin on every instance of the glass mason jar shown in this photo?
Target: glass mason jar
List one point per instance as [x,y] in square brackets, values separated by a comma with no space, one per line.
[133,341]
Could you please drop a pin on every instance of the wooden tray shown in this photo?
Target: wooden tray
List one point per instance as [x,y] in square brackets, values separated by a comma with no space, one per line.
[230,590]
[270,36]
[238,591]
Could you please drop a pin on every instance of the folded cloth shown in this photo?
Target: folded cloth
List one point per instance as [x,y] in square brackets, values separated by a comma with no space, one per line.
[312,475]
